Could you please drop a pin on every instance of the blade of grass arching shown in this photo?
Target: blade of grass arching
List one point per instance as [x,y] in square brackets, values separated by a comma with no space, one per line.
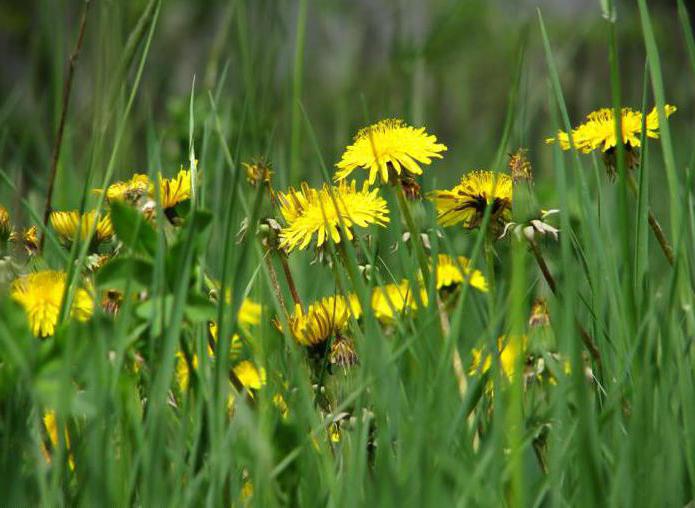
[297,78]
[686,26]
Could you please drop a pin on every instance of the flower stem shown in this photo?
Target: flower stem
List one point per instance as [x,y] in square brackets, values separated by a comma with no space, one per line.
[275,285]
[290,279]
[654,224]
[414,234]
[587,339]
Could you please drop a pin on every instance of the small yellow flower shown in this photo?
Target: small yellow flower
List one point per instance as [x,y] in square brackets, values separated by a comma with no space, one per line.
[389,146]
[131,190]
[173,191]
[250,376]
[66,224]
[323,319]
[29,238]
[258,172]
[51,424]
[41,295]
[310,212]
[392,300]
[5,225]
[598,132]
[509,348]
[183,374]
[468,200]
[452,272]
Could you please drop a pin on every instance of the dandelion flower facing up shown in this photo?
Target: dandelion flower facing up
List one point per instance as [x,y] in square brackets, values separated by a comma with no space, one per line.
[391,301]
[41,295]
[132,191]
[67,225]
[467,201]
[389,148]
[310,212]
[452,272]
[598,133]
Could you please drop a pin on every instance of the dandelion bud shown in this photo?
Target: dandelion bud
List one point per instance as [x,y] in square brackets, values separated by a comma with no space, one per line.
[520,167]
[258,172]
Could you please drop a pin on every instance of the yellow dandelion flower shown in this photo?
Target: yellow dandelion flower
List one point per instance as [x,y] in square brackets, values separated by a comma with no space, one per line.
[183,373]
[323,319]
[41,295]
[392,300]
[173,191]
[50,422]
[131,190]
[389,145]
[509,348]
[29,238]
[598,132]
[5,224]
[467,201]
[452,272]
[310,212]
[250,376]
[66,224]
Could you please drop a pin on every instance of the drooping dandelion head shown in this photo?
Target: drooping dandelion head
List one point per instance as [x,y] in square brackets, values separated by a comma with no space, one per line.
[598,133]
[389,148]
[41,295]
[391,301]
[453,272]
[68,225]
[323,319]
[467,202]
[311,213]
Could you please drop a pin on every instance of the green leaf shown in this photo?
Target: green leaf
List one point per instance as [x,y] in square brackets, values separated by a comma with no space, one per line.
[120,272]
[132,229]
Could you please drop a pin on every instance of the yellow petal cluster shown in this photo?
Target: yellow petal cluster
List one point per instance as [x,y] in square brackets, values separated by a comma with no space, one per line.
[67,225]
[130,190]
[390,301]
[172,191]
[509,348]
[452,272]
[41,295]
[598,132]
[389,144]
[311,212]
[323,319]
[467,201]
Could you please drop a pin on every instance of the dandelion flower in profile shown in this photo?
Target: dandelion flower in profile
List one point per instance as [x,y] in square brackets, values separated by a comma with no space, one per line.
[452,272]
[66,224]
[323,319]
[598,133]
[393,300]
[467,201]
[389,148]
[173,191]
[5,224]
[310,212]
[41,295]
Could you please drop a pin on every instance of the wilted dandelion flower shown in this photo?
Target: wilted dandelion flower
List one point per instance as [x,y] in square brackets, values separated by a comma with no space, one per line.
[323,319]
[598,133]
[66,224]
[389,146]
[310,212]
[510,348]
[392,300]
[468,200]
[41,295]
[452,272]
[258,172]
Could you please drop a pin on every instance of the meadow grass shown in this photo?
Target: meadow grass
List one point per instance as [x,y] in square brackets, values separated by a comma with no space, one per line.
[413,423]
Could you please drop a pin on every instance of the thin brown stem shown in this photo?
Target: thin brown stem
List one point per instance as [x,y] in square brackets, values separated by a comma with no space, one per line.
[456,361]
[654,224]
[290,279]
[67,87]
[275,284]
[587,339]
